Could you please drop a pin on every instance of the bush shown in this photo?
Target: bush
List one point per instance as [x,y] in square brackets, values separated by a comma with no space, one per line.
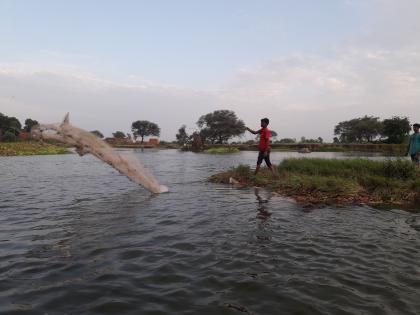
[9,137]
[221,150]
[244,172]
[399,169]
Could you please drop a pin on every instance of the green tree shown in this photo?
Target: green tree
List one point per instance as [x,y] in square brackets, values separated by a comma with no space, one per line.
[396,129]
[29,123]
[359,130]
[318,140]
[220,125]
[197,144]
[97,133]
[9,136]
[182,136]
[287,140]
[118,135]
[9,124]
[144,128]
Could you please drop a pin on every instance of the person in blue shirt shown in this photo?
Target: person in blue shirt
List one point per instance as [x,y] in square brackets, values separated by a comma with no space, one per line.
[414,145]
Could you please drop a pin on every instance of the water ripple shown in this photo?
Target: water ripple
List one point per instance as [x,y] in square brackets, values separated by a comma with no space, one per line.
[77,238]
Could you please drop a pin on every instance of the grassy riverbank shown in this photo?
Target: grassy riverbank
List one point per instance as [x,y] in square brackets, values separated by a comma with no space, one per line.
[30,148]
[334,181]
[387,149]
[222,150]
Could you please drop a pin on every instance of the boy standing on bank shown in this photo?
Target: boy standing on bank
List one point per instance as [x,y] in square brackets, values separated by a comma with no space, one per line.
[414,146]
[263,145]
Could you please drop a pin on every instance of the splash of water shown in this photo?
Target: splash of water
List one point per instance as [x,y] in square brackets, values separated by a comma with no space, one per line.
[86,142]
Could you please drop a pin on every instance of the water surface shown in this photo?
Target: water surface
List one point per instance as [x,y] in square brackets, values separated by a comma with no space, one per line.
[78,238]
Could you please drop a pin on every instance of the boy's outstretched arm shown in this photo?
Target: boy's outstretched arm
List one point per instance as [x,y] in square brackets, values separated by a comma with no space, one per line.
[252,131]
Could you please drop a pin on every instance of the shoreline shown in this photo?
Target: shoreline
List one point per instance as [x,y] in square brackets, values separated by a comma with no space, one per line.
[31,148]
[325,182]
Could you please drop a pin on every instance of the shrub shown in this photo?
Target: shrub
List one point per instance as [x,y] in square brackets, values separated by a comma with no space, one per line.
[9,137]
[399,169]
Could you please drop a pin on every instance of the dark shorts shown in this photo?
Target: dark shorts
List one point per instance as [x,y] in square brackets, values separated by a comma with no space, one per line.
[261,157]
[415,158]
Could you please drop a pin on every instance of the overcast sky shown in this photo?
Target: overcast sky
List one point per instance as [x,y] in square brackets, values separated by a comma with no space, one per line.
[306,65]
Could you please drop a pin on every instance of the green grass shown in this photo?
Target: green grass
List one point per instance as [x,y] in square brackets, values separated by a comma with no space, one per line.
[30,148]
[222,150]
[376,182]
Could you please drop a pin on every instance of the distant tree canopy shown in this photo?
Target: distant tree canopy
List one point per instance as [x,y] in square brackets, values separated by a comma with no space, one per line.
[396,129]
[220,125]
[97,133]
[10,125]
[286,140]
[182,136]
[368,129]
[359,130]
[118,134]
[318,140]
[29,123]
[144,128]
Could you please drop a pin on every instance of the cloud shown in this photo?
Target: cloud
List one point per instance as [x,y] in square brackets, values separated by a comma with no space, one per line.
[95,103]
[311,92]
[303,95]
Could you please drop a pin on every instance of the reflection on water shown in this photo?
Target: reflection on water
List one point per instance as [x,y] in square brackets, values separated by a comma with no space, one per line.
[77,238]
[263,212]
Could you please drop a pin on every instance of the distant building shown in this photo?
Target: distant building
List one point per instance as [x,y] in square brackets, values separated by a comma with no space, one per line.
[23,135]
[153,141]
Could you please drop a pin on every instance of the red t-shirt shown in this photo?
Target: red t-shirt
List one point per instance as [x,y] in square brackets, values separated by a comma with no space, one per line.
[264,139]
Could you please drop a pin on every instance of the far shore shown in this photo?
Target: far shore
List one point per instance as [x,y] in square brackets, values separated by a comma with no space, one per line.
[386,149]
[23,148]
[35,147]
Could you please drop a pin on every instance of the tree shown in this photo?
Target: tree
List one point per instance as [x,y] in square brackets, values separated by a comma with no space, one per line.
[317,140]
[220,125]
[287,140]
[118,135]
[97,133]
[144,128]
[29,123]
[9,124]
[9,136]
[182,136]
[197,144]
[396,129]
[360,130]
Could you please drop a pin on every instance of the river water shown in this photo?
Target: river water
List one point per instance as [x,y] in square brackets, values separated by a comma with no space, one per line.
[78,238]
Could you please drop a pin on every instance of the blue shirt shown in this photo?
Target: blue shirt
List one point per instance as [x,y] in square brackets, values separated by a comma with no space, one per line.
[414,143]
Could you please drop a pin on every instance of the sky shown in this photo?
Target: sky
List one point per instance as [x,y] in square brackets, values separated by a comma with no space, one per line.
[306,65]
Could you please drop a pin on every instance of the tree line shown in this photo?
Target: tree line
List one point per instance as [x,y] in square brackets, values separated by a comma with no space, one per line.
[140,129]
[220,126]
[370,129]
[10,127]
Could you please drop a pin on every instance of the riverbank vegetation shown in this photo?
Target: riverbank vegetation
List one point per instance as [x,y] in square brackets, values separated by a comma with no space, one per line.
[222,150]
[30,148]
[336,181]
